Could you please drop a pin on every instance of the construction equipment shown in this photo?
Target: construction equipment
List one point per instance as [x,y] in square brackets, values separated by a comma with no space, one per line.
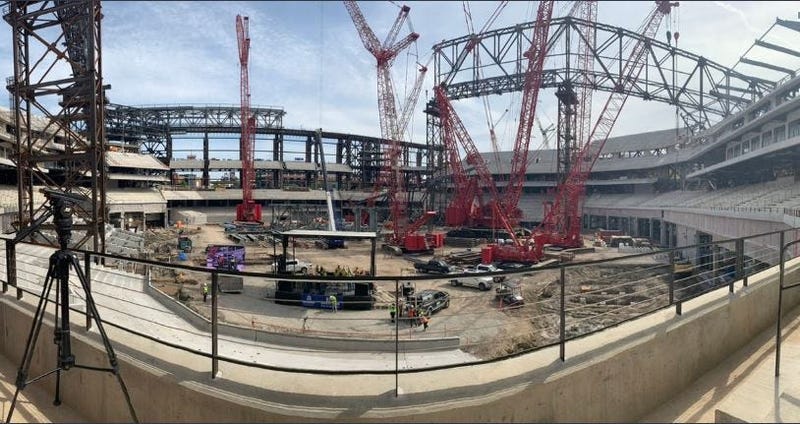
[184,244]
[501,212]
[248,210]
[530,95]
[404,237]
[561,225]
[327,242]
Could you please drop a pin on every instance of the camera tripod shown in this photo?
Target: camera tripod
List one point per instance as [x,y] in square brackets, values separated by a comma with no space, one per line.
[58,274]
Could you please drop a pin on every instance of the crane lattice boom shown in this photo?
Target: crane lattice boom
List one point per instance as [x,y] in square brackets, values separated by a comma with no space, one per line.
[530,94]
[562,222]
[248,211]
[392,125]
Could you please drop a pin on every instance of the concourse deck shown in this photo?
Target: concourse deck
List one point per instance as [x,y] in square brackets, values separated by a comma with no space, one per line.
[743,388]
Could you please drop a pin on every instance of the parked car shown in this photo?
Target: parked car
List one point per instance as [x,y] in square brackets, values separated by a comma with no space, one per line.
[513,265]
[294,266]
[436,266]
[487,268]
[510,294]
[512,301]
[476,281]
[430,300]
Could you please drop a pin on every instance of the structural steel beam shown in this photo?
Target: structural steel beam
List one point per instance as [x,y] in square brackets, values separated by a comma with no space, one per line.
[777,48]
[767,66]
[152,128]
[65,36]
[795,25]
[671,75]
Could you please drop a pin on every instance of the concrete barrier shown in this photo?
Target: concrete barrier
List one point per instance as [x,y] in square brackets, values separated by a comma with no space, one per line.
[620,374]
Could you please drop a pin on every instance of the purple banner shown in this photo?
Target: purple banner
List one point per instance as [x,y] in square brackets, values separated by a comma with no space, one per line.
[225,257]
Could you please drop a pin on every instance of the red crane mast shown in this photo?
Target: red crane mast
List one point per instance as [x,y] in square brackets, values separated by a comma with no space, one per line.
[391,174]
[562,222]
[530,94]
[466,205]
[248,210]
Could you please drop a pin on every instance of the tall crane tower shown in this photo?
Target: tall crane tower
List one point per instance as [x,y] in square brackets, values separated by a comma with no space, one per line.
[561,225]
[248,210]
[391,174]
[530,95]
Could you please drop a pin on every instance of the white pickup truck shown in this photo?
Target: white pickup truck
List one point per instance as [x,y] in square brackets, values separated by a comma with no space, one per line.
[477,281]
[487,268]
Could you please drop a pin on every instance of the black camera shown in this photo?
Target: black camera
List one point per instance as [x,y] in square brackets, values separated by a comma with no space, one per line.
[61,204]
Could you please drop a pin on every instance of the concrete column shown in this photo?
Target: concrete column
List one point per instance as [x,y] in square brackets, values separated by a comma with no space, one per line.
[144,221]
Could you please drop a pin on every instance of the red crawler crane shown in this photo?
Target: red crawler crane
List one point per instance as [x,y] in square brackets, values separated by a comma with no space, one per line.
[502,211]
[248,210]
[562,222]
[530,94]
[555,229]
[466,206]
[404,234]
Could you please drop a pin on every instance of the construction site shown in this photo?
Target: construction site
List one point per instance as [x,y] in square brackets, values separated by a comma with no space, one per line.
[220,235]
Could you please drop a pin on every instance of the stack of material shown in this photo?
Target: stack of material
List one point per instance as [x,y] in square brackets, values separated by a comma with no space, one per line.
[469,257]
[462,242]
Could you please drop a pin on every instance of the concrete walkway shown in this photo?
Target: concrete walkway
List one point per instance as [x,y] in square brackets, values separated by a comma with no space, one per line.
[744,386]
[121,300]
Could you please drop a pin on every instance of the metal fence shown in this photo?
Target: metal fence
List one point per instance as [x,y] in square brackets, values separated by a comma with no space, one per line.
[562,302]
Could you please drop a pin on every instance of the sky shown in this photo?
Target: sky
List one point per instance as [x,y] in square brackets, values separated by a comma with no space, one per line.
[307,58]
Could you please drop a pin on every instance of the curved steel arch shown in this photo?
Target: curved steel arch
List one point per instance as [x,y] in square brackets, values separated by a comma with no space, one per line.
[701,88]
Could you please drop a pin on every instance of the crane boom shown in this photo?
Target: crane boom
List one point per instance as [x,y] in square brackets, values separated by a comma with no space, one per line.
[454,128]
[248,211]
[562,222]
[530,94]
[412,99]
[392,128]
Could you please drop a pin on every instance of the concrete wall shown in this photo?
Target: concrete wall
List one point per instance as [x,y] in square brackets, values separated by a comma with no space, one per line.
[620,374]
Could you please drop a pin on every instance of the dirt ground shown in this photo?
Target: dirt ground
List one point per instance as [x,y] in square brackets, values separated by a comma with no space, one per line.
[485,329]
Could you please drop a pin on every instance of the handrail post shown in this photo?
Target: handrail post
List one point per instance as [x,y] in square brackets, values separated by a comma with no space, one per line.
[11,266]
[780,306]
[87,269]
[214,322]
[396,338]
[563,331]
[671,278]
[740,271]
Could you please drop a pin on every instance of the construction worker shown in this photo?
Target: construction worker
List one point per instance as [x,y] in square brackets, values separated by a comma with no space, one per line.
[425,320]
[392,310]
[205,292]
[333,301]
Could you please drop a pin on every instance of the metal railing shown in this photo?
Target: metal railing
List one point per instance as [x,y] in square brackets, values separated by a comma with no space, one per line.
[563,302]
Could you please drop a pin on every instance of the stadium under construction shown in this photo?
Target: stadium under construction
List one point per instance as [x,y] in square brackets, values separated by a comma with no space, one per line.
[320,275]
